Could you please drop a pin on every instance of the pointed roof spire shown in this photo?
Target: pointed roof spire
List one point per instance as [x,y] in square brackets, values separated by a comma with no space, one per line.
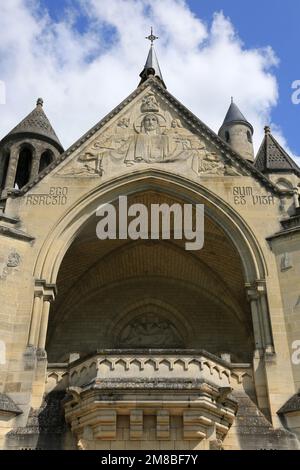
[272,158]
[36,124]
[152,66]
[234,115]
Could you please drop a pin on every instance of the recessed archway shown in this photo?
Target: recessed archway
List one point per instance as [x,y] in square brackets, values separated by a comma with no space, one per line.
[233,232]
[72,222]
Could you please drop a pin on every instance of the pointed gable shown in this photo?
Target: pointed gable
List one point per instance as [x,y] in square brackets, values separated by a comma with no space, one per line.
[272,157]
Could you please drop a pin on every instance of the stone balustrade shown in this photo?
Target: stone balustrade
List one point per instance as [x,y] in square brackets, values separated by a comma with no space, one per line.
[153,364]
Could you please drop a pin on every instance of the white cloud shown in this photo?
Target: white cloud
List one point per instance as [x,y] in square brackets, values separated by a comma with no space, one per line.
[82,76]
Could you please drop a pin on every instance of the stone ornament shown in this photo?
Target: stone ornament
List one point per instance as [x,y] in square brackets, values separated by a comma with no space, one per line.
[13,260]
[150,331]
[286,262]
[149,104]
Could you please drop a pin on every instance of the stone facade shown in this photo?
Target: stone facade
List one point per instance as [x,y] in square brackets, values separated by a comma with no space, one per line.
[122,344]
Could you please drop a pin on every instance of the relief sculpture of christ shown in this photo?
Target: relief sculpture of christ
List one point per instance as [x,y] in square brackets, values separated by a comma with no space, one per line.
[149,145]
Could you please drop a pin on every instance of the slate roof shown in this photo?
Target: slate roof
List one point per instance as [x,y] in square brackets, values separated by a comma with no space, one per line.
[255,431]
[186,115]
[293,404]
[234,115]
[151,67]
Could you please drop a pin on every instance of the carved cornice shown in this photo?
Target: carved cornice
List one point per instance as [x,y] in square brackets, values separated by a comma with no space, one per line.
[8,407]
[228,153]
[201,406]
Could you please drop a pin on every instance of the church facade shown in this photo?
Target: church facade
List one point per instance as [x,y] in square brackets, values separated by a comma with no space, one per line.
[142,344]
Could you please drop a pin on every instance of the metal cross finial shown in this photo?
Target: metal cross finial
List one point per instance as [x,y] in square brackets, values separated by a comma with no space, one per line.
[152,38]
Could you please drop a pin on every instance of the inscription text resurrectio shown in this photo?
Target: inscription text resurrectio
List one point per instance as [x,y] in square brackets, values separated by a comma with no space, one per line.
[243,195]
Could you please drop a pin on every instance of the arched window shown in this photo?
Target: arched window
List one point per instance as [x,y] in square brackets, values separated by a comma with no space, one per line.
[285,184]
[249,137]
[4,162]
[24,168]
[46,158]
[2,353]
[227,136]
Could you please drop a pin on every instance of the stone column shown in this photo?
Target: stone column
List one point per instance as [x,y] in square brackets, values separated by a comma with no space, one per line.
[36,158]
[12,168]
[36,312]
[44,294]
[44,325]
[296,198]
[256,294]
[256,324]
[256,319]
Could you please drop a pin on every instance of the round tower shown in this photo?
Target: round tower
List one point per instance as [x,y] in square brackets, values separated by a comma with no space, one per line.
[152,67]
[27,150]
[237,132]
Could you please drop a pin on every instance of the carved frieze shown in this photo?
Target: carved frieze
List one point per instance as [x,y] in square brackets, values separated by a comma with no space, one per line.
[150,133]
[13,259]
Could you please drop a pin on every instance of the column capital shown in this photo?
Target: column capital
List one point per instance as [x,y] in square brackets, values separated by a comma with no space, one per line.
[256,289]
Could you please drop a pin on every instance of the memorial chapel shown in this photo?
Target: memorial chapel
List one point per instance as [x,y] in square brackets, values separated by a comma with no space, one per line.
[142,344]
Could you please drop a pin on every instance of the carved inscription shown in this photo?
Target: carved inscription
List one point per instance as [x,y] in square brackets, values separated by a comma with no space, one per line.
[148,134]
[57,196]
[7,265]
[245,195]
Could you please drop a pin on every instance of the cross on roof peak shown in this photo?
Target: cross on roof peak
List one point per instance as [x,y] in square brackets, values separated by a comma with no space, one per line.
[152,37]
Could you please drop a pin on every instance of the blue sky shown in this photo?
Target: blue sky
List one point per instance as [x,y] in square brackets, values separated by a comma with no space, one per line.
[258,23]
[106,37]
[275,23]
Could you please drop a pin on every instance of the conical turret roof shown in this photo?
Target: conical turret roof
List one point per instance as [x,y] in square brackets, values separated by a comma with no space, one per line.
[234,115]
[151,67]
[36,124]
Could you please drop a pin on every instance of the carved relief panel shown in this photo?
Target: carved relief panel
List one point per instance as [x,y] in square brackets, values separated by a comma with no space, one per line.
[150,331]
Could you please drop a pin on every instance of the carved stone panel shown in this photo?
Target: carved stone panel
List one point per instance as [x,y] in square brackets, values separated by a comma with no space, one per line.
[150,132]
[150,331]
[12,261]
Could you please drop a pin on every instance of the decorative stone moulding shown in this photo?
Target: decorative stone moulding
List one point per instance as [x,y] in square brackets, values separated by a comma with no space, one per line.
[116,383]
